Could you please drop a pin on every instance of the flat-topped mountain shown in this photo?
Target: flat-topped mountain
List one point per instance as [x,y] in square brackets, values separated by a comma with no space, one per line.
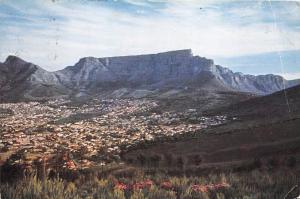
[176,66]
[152,72]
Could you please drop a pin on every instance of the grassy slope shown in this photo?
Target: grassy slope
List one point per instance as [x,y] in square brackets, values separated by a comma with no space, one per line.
[273,185]
[266,130]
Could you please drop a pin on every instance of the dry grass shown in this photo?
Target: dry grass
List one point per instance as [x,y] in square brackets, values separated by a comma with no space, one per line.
[255,184]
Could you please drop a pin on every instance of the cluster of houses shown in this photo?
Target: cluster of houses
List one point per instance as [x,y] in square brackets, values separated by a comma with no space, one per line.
[96,138]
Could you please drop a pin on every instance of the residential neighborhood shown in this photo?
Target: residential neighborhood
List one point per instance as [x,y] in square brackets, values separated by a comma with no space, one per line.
[90,134]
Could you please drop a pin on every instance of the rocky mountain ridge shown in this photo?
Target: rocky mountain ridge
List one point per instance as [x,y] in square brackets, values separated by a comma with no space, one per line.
[153,72]
[23,80]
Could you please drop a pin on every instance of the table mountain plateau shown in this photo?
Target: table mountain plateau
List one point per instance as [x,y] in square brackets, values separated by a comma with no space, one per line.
[130,76]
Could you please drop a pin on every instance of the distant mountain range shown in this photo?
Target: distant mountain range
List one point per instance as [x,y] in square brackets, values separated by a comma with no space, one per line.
[147,73]
[276,62]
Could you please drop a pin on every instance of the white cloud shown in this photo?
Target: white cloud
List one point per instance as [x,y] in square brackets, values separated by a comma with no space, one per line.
[290,76]
[89,30]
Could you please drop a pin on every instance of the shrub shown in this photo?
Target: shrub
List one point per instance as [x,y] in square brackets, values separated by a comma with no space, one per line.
[291,162]
[273,163]
[141,159]
[168,159]
[254,184]
[180,162]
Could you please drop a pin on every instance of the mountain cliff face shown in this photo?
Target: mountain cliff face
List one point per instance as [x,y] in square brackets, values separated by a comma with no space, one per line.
[174,69]
[136,70]
[20,79]
[261,84]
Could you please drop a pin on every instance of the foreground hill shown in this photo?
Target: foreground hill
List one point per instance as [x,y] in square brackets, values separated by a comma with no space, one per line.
[280,105]
[266,131]
[130,76]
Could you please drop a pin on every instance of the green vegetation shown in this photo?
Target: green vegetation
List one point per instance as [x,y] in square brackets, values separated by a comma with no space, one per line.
[254,184]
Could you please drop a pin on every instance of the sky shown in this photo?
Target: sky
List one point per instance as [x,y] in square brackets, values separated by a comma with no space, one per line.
[254,37]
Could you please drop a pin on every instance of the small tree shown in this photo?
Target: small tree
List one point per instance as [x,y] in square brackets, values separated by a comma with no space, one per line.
[141,159]
[291,162]
[180,162]
[168,158]
[154,160]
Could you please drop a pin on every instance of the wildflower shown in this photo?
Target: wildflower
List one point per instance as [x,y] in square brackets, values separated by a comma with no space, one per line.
[138,186]
[148,183]
[200,188]
[210,187]
[142,185]
[121,186]
[166,185]
[70,165]
[222,185]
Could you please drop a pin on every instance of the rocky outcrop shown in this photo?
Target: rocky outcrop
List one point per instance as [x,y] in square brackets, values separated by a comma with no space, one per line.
[261,84]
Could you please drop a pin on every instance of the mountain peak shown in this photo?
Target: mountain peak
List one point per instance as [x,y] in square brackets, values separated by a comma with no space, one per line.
[87,59]
[16,64]
[88,62]
[12,59]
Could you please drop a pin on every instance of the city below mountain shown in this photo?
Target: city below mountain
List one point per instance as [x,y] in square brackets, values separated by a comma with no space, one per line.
[220,121]
[169,115]
[163,74]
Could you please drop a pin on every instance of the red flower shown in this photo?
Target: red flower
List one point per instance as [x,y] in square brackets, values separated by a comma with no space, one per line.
[222,185]
[166,185]
[200,188]
[148,183]
[121,186]
[138,186]
[142,185]
[210,187]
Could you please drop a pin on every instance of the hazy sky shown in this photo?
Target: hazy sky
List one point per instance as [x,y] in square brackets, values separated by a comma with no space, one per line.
[57,33]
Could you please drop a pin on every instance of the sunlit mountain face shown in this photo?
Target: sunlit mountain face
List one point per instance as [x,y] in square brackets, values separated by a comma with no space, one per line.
[149,75]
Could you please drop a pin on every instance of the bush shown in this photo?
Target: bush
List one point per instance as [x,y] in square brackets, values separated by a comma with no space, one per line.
[273,163]
[254,184]
[291,162]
